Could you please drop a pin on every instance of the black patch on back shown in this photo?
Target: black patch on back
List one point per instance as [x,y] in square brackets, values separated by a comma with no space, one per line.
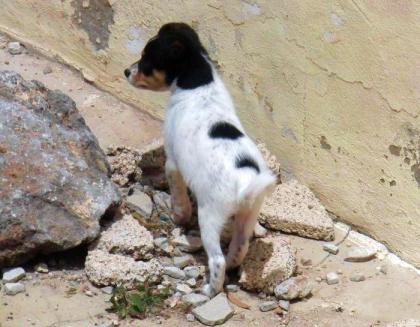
[224,130]
[245,161]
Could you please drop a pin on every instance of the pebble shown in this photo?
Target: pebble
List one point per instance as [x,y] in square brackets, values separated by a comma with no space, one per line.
[232,288]
[332,278]
[214,312]
[89,293]
[14,288]
[174,272]
[183,289]
[107,324]
[318,279]
[294,288]
[107,290]
[41,268]
[360,255]
[163,244]
[284,305]
[383,269]
[13,275]
[140,202]
[331,248]
[192,271]
[357,277]
[14,48]
[268,306]
[47,70]
[183,261]
[191,282]
[174,299]
[195,299]
[163,200]
[260,231]
[190,317]
[188,243]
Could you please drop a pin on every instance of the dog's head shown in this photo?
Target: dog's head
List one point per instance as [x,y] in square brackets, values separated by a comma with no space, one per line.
[164,57]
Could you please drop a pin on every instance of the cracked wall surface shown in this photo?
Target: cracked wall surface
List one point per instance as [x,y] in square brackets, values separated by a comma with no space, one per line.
[333,87]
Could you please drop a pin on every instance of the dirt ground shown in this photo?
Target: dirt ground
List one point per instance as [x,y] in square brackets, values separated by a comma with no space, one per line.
[59,298]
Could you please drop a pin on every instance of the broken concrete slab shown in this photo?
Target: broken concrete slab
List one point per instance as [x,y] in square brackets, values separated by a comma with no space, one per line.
[214,312]
[293,208]
[269,261]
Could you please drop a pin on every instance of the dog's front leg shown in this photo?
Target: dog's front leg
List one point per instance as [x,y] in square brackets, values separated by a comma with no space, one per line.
[181,205]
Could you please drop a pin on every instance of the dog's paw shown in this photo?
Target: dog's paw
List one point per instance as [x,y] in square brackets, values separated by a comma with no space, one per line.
[208,290]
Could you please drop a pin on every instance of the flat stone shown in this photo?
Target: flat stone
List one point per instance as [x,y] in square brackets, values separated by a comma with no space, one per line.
[294,288]
[269,261]
[162,201]
[332,278]
[107,290]
[268,306]
[140,202]
[14,48]
[174,272]
[232,288]
[183,289]
[285,305]
[330,247]
[195,299]
[13,275]
[41,268]
[357,277]
[14,288]
[163,244]
[192,271]
[183,261]
[293,208]
[214,312]
[190,317]
[358,254]
[188,243]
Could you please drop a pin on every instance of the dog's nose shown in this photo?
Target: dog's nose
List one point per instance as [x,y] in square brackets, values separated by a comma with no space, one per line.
[127,72]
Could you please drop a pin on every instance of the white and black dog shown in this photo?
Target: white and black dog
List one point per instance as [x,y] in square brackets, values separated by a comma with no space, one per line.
[206,146]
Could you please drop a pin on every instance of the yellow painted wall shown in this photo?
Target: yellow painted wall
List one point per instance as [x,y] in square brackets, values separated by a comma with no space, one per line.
[333,87]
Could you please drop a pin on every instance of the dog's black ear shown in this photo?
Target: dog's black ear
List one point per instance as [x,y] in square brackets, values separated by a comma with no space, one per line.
[176,50]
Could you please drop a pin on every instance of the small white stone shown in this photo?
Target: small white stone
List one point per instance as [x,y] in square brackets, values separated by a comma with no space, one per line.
[14,288]
[190,317]
[183,261]
[89,293]
[284,305]
[12,275]
[260,231]
[332,278]
[174,272]
[183,289]
[107,290]
[195,299]
[331,248]
[192,271]
[214,312]
[357,277]
[14,48]
[85,4]
[41,268]
[268,306]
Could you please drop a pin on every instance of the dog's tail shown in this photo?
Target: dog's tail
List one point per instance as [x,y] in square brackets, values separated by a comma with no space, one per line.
[261,185]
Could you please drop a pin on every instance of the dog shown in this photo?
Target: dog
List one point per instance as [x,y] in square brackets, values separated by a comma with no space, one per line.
[206,146]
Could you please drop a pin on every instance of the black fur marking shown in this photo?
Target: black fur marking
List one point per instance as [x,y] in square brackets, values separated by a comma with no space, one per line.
[224,130]
[245,161]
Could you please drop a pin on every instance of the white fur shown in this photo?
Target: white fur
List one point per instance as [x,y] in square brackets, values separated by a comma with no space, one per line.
[207,166]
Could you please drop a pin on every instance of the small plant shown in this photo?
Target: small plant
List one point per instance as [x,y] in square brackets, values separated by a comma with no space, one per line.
[136,303]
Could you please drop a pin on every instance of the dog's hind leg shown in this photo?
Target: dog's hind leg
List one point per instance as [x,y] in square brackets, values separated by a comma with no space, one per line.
[211,224]
[243,230]
[181,205]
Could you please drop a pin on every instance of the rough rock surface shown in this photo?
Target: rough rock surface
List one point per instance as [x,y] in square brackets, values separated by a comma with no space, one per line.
[214,312]
[124,164]
[269,261]
[293,208]
[126,236]
[152,164]
[54,184]
[104,269]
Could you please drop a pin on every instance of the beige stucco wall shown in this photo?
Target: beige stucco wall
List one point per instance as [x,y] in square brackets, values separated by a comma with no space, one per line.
[333,87]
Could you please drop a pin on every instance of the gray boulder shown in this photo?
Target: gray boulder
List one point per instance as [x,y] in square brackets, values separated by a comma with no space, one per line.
[54,185]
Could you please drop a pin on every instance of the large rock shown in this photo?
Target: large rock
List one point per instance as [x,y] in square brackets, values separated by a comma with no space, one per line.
[268,262]
[293,208]
[54,185]
[104,269]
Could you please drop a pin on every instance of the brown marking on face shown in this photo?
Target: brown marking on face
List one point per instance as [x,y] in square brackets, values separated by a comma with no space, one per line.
[154,82]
